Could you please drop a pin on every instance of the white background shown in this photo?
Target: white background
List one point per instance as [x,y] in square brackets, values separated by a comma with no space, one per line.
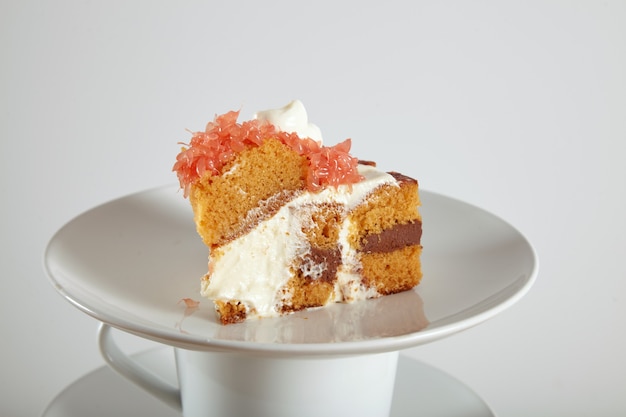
[517,107]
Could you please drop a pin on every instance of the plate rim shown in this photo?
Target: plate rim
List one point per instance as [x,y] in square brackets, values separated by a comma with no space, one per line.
[378,345]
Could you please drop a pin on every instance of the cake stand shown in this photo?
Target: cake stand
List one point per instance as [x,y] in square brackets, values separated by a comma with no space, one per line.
[131,263]
[420,389]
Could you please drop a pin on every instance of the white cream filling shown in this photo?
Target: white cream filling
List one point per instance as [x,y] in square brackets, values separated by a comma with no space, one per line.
[256,266]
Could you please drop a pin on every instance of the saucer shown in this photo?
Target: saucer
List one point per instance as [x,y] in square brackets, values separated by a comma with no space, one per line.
[132,262]
[420,389]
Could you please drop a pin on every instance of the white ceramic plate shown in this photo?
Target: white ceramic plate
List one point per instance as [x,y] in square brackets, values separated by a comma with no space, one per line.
[420,390]
[130,262]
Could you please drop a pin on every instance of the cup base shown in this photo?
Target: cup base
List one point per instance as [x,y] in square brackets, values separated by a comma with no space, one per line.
[237,385]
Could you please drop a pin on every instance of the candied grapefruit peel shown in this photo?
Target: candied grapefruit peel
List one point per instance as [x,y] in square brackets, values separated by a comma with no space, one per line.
[224,137]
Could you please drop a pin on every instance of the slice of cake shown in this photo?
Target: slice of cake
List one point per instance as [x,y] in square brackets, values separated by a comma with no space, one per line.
[292,224]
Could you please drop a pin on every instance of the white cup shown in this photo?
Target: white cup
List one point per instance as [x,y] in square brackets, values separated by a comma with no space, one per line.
[238,385]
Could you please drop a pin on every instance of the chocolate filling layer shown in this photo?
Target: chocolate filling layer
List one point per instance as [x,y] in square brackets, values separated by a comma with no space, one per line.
[398,237]
[401,177]
[330,257]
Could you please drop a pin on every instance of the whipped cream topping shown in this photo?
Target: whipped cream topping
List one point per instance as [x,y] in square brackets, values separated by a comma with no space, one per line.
[261,260]
[291,118]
